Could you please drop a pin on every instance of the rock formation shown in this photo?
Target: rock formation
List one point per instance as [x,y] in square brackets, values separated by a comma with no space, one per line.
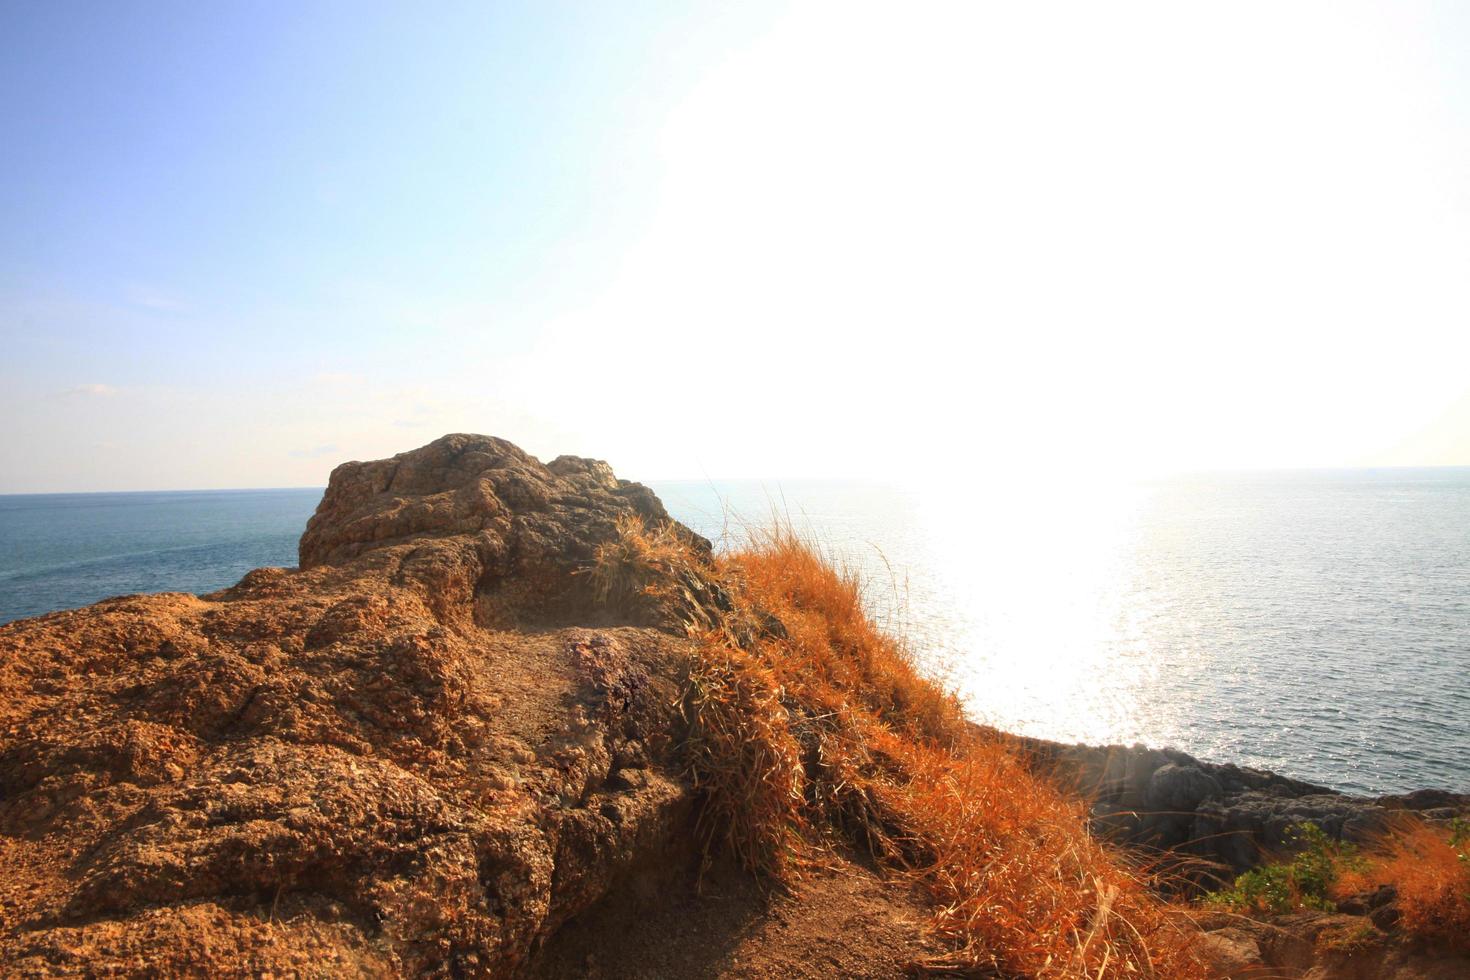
[420,752]
[1229,815]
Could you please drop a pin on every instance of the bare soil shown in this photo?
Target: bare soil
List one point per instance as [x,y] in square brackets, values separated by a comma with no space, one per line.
[843,921]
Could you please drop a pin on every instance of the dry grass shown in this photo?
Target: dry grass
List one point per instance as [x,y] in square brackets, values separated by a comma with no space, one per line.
[1025,885]
[810,726]
[741,751]
[638,562]
[1430,868]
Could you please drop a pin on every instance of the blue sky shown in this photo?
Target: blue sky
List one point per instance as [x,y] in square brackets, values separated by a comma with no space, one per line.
[213,189]
[243,242]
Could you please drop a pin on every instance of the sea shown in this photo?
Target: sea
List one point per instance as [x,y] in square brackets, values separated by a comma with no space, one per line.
[1316,623]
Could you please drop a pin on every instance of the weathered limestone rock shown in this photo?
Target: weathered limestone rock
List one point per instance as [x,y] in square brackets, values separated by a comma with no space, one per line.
[416,754]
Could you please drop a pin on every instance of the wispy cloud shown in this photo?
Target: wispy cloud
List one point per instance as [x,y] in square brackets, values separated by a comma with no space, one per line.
[315,453]
[95,390]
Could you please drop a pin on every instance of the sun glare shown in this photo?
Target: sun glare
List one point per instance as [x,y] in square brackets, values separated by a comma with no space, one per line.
[1126,255]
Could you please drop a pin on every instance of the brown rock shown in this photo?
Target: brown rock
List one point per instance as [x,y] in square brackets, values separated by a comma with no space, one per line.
[403,757]
[1233,952]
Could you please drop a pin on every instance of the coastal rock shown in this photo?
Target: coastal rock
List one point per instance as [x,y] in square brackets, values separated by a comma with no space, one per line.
[1179,788]
[1233,952]
[1319,946]
[1252,825]
[495,532]
[419,753]
[1230,816]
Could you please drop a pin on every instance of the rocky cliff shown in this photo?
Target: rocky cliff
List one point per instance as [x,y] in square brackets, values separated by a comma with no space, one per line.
[420,752]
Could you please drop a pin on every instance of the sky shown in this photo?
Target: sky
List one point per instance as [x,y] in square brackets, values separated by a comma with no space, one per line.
[243,242]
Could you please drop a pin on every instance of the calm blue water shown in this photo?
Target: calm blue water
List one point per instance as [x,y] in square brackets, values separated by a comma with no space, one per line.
[58,551]
[1313,623]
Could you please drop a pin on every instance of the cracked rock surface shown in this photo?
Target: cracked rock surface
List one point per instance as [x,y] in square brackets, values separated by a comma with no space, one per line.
[419,753]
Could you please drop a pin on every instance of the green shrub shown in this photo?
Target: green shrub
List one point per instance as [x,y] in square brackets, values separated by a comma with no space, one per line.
[1460,838]
[1304,882]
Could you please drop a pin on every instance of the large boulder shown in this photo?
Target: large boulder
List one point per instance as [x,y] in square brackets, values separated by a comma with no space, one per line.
[1179,788]
[495,533]
[420,752]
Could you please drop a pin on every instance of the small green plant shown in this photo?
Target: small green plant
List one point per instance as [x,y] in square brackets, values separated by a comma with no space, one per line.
[1304,882]
[1348,939]
[1460,838]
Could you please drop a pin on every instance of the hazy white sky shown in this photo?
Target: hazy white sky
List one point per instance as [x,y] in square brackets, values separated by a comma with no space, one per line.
[816,240]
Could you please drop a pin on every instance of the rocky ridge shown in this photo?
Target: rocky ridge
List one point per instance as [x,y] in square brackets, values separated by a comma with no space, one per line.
[419,753]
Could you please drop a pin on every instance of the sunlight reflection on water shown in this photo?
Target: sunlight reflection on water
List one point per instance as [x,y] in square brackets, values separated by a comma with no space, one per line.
[1316,624]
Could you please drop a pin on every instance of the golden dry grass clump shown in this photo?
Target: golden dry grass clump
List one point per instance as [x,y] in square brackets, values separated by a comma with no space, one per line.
[1430,869]
[638,561]
[811,727]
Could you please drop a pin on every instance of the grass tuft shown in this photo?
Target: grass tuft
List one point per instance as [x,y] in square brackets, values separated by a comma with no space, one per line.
[742,755]
[1429,867]
[638,562]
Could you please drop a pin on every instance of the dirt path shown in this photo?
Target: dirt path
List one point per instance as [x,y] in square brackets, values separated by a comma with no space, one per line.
[844,921]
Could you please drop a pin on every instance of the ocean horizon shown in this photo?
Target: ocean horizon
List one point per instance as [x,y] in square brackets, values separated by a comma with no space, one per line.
[1312,622]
